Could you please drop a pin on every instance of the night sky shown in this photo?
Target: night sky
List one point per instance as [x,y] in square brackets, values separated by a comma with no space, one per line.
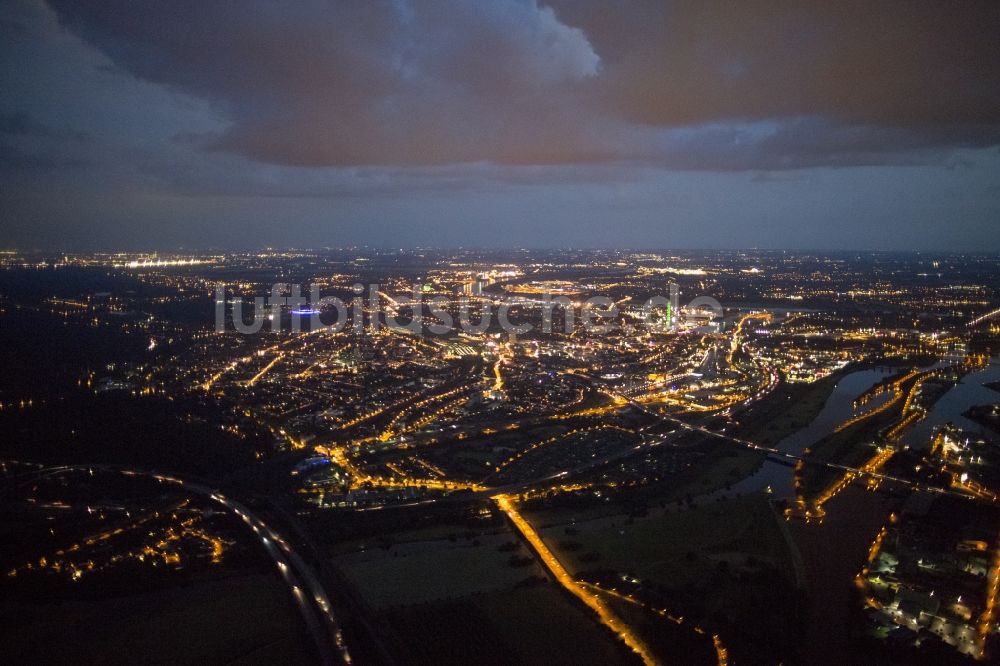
[500,123]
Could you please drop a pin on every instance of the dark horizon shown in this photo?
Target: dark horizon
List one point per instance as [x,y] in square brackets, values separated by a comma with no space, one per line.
[181,250]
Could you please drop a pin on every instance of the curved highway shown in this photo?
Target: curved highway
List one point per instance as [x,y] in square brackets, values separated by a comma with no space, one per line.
[310,597]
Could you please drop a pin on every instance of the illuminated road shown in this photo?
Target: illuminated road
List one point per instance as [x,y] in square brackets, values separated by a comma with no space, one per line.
[498,384]
[897,395]
[556,438]
[310,597]
[980,319]
[992,590]
[558,571]
[392,429]
[779,456]
[721,654]
[735,342]
[256,378]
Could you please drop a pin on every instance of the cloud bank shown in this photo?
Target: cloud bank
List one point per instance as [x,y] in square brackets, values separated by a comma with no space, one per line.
[649,123]
[691,84]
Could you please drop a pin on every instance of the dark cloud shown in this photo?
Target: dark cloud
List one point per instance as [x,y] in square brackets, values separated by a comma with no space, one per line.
[21,124]
[648,123]
[510,81]
[320,83]
[17,161]
[30,147]
[892,63]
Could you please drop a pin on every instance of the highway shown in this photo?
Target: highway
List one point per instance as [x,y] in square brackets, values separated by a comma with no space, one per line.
[310,597]
[980,319]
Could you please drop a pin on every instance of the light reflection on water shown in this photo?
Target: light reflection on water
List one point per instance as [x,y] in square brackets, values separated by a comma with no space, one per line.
[949,408]
[838,408]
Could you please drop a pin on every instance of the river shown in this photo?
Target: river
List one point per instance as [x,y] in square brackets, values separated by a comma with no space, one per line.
[971,391]
[838,408]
